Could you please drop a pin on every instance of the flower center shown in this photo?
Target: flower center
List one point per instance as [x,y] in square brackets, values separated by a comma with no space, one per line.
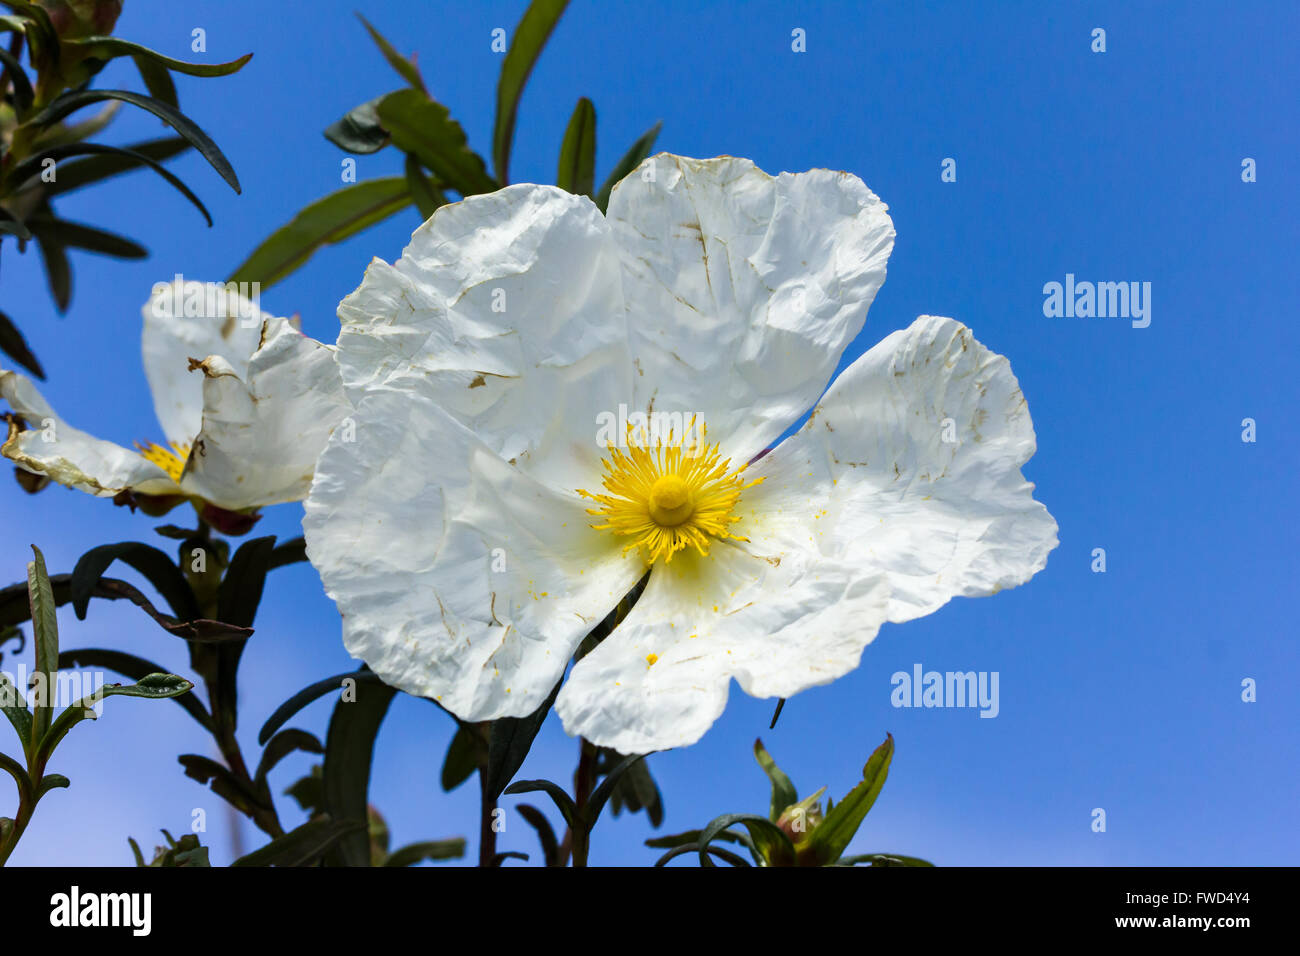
[170,460]
[668,495]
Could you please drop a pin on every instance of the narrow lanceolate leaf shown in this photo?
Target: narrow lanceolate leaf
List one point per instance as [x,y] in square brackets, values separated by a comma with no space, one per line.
[563,802]
[15,346]
[577,169]
[525,47]
[326,221]
[345,779]
[22,86]
[70,102]
[404,67]
[305,845]
[105,161]
[591,812]
[308,694]
[414,853]
[15,709]
[45,629]
[462,758]
[157,80]
[509,742]
[882,859]
[769,841]
[222,782]
[829,839]
[783,791]
[156,565]
[633,158]
[545,833]
[428,197]
[281,745]
[76,235]
[13,225]
[424,127]
[58,272]
[359,131]
[241,589]
[152,686]
[107,48]
[128,665]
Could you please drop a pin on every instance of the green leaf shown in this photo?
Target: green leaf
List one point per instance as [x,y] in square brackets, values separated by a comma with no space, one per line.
[70,102]
[128,665]
[306,791]
[404,67]
[428,197]
[152,686]
[345,779]
[281,745]
[545,833]
[308,694]
[11,224]
[599,796]
[577,169]
[240,594]
[14,706]
[725,855]
[633,158]
[58,273]
[525,47]
[359,130]
[462,758]
[783,791]
[222,782]
[636,791]
[770,841]
[882,859]
[414,853]
[157,80]
[107,161]
[75,235]
[325,222]
[45,629]
[22,86]
[305,845]
[18,772]
[509,742]
[15,346]
[108,48]
[828,839]
[424,127]
[61,135]
[692,837]
[290,552]
[563,802]
[52,781]
[156,565]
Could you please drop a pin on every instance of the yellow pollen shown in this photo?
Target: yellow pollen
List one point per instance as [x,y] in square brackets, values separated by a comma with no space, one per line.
[650,659]
[171,460]
[669,495]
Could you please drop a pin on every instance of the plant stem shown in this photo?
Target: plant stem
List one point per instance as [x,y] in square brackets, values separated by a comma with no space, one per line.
[584,781]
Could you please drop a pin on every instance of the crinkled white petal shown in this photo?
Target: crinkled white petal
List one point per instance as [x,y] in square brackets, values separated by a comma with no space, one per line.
[263,431]
[509,307]
[776,626]
[743,289]
[458,576]
[910,465]
[192,320]
[50,446]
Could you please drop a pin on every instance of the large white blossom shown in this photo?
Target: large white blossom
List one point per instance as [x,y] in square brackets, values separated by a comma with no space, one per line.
[477,525]
[245,401]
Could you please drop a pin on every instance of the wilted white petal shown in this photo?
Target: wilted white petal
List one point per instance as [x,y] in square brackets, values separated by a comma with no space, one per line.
[509,306]
[743,289]
[776,626]
[192,320]
[51,447]
[910,465]
[458,576]
[263,431]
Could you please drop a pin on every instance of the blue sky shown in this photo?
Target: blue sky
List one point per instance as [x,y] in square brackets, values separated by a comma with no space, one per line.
[1119,690]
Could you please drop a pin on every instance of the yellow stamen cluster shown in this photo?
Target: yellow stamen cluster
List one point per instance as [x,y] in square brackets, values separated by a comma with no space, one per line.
[171,460]
[667,497]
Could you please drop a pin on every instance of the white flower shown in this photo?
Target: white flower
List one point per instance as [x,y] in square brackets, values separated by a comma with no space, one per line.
[477,528]
[245,402]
